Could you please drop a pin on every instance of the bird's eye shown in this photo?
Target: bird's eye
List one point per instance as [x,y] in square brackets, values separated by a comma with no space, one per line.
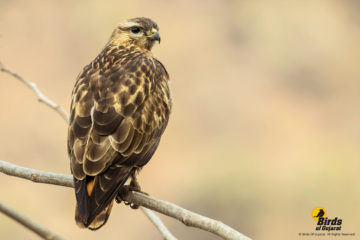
[135,30]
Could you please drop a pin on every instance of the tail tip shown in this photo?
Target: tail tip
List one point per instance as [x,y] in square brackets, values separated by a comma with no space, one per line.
[97,222]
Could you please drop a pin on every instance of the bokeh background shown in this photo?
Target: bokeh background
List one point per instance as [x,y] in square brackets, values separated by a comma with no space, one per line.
[265,125]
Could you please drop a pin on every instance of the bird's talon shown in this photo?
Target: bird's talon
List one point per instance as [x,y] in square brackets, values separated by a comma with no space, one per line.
[134,206]
[118,199]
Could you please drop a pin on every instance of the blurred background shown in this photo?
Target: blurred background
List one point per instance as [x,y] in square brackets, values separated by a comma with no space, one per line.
[265,125]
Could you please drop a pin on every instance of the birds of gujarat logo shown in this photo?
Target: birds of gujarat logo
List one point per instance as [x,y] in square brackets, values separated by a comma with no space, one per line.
[318,212]
[323,223]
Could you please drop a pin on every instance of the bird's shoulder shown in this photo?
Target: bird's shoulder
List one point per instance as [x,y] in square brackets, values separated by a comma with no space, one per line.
[122,73]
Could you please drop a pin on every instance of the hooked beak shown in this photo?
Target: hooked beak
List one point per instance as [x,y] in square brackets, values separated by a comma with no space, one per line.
[155,35]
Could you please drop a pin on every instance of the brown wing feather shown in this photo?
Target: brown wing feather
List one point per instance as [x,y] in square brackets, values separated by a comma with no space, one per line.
[120,107]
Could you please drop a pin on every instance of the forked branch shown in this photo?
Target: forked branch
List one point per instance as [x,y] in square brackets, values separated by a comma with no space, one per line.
[185,216]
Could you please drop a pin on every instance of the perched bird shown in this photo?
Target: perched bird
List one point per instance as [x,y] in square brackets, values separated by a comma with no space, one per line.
[120,108]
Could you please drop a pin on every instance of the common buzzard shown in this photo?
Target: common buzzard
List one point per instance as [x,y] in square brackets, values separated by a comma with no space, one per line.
[120,108]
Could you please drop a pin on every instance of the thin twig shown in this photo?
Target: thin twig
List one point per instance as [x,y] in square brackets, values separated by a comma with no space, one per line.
[158,223]
[41,97]
[64,115]
[185,216]
[28,223]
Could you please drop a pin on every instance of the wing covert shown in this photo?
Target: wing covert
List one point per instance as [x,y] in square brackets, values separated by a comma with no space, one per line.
[119,110]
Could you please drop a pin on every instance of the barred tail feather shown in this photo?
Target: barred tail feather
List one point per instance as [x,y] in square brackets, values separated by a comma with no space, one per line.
[98,221]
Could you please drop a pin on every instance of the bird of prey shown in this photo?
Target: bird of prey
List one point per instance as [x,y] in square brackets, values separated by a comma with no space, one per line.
[120,108]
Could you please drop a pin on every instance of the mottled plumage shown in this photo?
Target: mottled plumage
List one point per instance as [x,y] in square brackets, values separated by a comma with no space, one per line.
[119,110]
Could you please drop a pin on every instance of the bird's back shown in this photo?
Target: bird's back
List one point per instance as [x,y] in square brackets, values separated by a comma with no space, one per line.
[120,108]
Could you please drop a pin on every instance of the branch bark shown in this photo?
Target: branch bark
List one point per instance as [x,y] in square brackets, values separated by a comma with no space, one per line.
[28,223]
[185,216]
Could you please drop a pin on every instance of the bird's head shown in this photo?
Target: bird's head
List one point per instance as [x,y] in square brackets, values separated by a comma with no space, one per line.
[142,32]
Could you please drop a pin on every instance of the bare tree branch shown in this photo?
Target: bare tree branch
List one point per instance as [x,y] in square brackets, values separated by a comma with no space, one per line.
[185,216]
[28,223]
[158,223]
[67,181]
[36,175]
[41,97]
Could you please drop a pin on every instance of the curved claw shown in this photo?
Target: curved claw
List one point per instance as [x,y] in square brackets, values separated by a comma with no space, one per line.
[124,191]
[134,206]
[118,199]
